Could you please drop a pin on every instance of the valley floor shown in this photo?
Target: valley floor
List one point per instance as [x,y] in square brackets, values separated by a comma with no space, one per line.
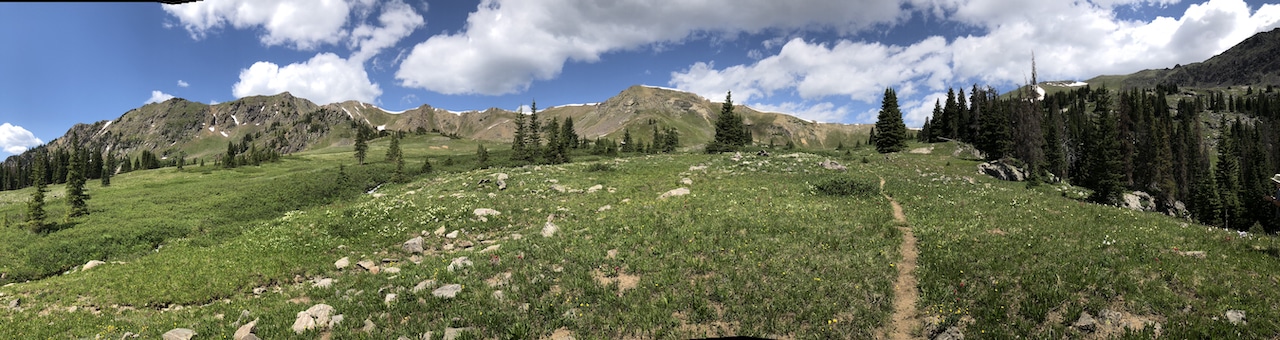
[613,249]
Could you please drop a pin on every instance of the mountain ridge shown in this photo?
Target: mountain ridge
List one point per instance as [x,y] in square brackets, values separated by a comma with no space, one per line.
[1253,61]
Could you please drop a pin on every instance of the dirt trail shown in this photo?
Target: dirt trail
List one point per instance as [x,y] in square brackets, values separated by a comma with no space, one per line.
[905,292]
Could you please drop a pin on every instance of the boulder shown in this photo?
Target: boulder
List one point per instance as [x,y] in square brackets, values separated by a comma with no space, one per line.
[459,263]
[453,333]
[440,231]
[413,245]
[502,184]
[832,165]
[323,283]
[369,266]
[452,234]
[952,333]
[1236,317]
[318,316]
[245,332]
[447,291]
[1001,170]
[549,229]
[424,285]
[1139,201]
[594,188]
[686,181]
[91,264]
[342,262]
[178,334]
[1086,323]
[482,214]
[674,193]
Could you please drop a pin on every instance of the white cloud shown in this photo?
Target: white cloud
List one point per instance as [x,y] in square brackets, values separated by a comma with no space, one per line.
[328,78]
[1070,39]
[825,112]
[508,44]
[325,78]
[213,102]
[302,24]
[182,83]
[15,139]
[157,96]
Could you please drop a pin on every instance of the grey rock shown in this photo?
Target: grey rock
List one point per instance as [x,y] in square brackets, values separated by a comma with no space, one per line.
[549,229]
[369,327]
[502,184]
[91,264]
[1236,317]
[245,332]
[15,303]
[1085,323]
[342,262]
[594,188]
[371,266]
[832,165]
[440,231]
[323,283]
[318,316]
[686,181]
[674,193]
[1003,171]
[425,284]
[178,334]
[1139,201]
[491,248]
[447,291]
[559,188]
[413,245]
[452,234]
[952,333]
[453,333]
[391,297]
[459,263]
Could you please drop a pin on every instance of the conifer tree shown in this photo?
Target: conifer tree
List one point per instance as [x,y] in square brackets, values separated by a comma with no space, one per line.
[109,170]
[362,146]
[518,153]
[76,197]
[35,207]
[552,152]
[627,144]
[426,166]
[892,131]
[1106,161]
[731,133]
[567,132]
[482,156]
[1226,176]
[534,145]
[393,151]
[229,158]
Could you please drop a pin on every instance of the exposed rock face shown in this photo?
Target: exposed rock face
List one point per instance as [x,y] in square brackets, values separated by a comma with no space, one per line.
[1001,170]
[91,264]
[1139,201]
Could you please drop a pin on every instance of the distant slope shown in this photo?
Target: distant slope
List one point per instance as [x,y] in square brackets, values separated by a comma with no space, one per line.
[1254,61]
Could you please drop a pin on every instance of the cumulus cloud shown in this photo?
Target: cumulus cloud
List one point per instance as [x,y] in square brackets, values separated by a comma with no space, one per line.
[325,78]
[824,112]
[157,96]
[1070,40]
[508,44]
[328,78]
[15,139]
[182,83]
[302,24]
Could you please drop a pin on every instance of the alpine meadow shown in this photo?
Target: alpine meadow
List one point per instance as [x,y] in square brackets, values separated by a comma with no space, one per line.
[1141,205]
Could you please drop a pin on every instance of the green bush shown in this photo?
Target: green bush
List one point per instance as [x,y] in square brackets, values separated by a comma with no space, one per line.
[847,186]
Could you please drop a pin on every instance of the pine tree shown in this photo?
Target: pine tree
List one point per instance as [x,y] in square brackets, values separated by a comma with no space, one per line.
[552,152]
[76,197]
[362,145]
[393,151]
[1226,176]
[570,136]
[534,145]
[518,153]
[35,207]
[229,158]
[426,166]
[731,133]
[482,156]
[627,144]
[892,131]
[109,170]
[1106,160]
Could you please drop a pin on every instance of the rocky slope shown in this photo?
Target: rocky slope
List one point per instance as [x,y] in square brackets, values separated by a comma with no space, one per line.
[1254,61]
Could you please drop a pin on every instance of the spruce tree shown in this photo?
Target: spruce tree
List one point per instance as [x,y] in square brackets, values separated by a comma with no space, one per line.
[76,196]
[892,132]
[109,170]
[482,156]
[426,166]
[1106,161]
[518,141]
[393,151]
[362,146]
[35,207]
[731,133]
[627,143]
[552,152]
[1226,176]
[229,158]
[533,146]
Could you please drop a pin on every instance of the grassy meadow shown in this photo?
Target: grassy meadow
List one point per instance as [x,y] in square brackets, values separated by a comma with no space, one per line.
[753,249]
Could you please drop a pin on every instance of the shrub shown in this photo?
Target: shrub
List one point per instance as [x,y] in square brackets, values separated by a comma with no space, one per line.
[847,186]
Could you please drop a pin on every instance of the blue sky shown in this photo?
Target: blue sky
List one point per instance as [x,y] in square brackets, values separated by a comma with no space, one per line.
[826,60]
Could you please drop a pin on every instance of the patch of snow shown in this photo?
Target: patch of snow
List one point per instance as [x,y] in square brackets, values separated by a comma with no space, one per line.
[587,104]
[382,127]
[212,129]
[263,108]
[348,113]
[224,134]
[1077,84]
[389,111]
[661,88]
[104,127]
[233,117]
[1040,90]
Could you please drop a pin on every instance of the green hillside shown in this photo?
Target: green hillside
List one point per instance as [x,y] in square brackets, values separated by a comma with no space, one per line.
[753,249]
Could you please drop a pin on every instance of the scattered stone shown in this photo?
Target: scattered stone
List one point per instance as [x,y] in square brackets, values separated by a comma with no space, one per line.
[451,333]
[424,285]
[832,165]
[447,291]
[323,283]
[686,181]
[491,248]
[259,290]
[91,264]
[315,317]
[481,213]
[245,332]
[391,297]
[415,259]
[549,229]
[369,266]
[606,207]
[369,327]
[15,303]
[499,280]
[674,193]
[737,156]
[501,176]
[447,246]
[458,263]
[452,234]
[178,334]
[498,295]
[502,184]
[697,167]
[413,245]
[128,335]
[391,270]
[440,231]
[952,333]
[465,244]
[1236,317]
[594,188]
[1085,323]
[342,262]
